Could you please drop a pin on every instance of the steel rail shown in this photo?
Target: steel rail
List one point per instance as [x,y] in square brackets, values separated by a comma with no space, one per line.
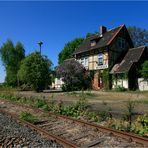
[58,139]
[129,136]
[121,134]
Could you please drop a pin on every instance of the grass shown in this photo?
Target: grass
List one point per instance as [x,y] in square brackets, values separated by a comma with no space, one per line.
[28,117]
[80,94]
[79,109]
[144,101]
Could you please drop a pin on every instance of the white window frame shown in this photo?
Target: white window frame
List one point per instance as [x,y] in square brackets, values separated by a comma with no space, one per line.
[100,58]
[93,43]
[84,61]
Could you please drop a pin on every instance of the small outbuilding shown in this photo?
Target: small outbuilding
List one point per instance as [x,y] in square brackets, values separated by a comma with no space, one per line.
[126,73]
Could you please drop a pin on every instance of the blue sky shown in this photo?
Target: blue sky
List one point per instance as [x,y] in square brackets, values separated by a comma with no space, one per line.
[55,23]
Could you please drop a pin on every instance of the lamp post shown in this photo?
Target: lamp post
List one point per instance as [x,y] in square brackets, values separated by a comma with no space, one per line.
[40,44]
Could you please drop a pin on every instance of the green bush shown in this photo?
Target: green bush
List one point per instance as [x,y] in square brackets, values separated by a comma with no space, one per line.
[120,88]
[28,117]
[140,126]
[41,104]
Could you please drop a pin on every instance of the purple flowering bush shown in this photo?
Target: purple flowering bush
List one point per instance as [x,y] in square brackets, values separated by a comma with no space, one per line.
[74,75]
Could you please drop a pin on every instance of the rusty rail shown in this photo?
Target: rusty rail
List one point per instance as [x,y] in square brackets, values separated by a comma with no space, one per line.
[125,135]
[59,140]
[121,134]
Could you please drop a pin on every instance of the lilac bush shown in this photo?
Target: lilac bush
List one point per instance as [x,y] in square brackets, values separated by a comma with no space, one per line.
[74,75]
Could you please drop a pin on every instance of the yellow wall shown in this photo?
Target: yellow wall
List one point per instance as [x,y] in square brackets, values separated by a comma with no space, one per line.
[93,61]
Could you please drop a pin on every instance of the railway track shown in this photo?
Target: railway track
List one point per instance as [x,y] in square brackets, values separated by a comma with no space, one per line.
[76,133]
[13,134]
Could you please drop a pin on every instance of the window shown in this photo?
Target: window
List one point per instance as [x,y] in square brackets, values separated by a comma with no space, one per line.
[100,59]
[84,61]
[121,43]
[93,43]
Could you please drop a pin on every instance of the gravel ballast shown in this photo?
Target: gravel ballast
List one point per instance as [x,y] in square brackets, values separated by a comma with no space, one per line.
[13,134]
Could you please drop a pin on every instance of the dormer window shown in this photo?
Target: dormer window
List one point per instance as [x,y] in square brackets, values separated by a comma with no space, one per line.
[93,43]
[121,43]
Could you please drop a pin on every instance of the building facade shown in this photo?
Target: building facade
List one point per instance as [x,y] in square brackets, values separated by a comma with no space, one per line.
[102,51]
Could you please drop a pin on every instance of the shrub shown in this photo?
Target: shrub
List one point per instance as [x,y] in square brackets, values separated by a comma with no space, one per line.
[74,76]
[28,117]
[140,126]
[35,71]
[120,88]
[130,110]
[41,104]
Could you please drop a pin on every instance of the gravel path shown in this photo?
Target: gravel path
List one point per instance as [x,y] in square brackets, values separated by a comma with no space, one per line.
[13,134]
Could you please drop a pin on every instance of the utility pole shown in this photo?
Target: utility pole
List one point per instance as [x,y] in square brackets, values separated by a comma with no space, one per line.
[40,44]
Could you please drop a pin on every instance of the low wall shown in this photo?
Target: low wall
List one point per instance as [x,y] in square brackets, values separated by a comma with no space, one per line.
[143,85]
[120,82]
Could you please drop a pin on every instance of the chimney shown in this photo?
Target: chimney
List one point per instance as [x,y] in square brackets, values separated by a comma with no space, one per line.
[103,29]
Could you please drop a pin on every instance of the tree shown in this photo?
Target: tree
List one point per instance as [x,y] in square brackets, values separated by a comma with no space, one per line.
[91,34]
[68,49]
[35,71]
[139,36]
[11,57]
[74,75]
[144,70]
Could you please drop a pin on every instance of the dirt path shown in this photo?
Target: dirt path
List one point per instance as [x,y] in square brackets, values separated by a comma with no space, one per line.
[99,100]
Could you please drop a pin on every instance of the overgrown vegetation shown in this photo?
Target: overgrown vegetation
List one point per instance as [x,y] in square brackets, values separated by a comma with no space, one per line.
[80,110]
[119,88]
[144,70]
[28,117]
[139,126]
[130,111]
[74,76]
[35,71]
[105,77]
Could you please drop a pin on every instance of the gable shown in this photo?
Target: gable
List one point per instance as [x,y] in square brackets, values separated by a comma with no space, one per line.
[101,41]
[132,56]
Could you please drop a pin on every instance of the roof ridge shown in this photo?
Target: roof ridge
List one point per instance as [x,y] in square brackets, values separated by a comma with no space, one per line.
[105,32]
[115,27]
[115,34]
[92,36]
[138,47]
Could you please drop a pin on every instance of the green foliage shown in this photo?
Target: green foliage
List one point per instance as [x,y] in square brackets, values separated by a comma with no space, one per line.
[90,34]
[35,71]
[144,70]
[28,117]
[118,124]
[11,57]
[93,116]
[41,104]
[74,110]
[130,111]
[140,126]
[68,49]
[105,78]
[74,76]
[103,115]
[139,36]
[119,88]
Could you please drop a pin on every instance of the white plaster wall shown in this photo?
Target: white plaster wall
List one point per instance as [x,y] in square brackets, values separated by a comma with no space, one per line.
[120,82]
[143,85]
[57,83]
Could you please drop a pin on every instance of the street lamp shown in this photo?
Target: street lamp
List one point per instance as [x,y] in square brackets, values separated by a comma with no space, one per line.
[40,44]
